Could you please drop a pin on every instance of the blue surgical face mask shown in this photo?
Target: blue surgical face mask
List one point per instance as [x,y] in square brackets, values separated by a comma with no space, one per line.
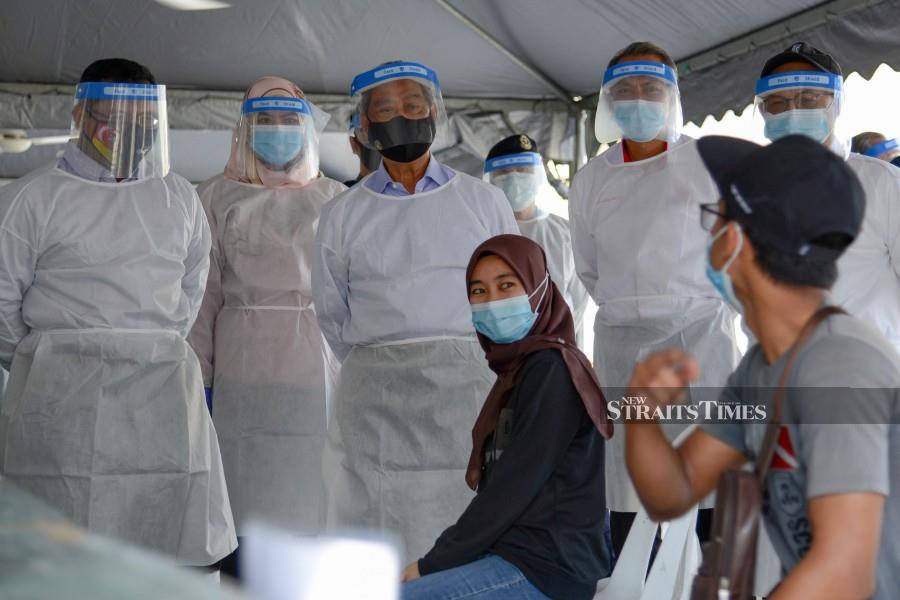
[720,279]
[277,145]
[640,120]
[509,320]
[811,122]
[521,189]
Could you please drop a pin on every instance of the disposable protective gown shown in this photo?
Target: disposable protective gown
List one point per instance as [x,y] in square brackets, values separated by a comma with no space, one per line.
[868,283]
[641,253]
[390,290]
[104,417]
[261,349]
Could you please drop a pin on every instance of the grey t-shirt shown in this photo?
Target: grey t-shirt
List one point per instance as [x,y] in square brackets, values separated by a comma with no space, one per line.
[834,440]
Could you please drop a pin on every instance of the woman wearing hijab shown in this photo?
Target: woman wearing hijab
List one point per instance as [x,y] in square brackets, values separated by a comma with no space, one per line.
[535,528]
[264,362]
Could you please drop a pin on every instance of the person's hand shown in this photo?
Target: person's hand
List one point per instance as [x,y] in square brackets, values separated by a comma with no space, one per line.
[473,476]
[661,378]
[411,572]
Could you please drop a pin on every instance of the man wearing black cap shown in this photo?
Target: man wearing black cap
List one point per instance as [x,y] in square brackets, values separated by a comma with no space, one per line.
[516,167]
[800,91]
[787,212]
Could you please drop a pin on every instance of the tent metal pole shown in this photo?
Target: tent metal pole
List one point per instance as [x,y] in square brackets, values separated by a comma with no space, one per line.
[551,85]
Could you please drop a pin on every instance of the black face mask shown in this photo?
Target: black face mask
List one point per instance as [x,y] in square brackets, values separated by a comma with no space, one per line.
[369,158]
[401,139]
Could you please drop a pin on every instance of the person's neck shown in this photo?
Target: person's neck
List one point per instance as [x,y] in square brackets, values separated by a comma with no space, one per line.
[407,174]
[526,213]
[777,317]
[644,150]
[363,171]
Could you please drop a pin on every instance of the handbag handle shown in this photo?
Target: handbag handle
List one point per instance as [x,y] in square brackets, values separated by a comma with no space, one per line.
[764,460]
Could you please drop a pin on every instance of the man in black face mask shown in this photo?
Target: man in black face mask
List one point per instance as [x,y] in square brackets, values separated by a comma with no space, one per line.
[389,288]
[398,118]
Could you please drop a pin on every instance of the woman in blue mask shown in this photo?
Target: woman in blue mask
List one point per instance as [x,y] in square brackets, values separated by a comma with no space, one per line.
[535,529]
[264,363]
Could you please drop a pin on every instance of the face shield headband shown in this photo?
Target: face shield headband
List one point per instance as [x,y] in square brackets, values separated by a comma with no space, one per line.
[522,159]
[882,148]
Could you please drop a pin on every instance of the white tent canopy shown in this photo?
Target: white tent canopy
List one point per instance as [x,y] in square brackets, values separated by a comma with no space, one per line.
[507,65]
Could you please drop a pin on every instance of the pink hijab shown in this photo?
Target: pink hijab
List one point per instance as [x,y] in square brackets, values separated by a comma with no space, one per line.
[243,165]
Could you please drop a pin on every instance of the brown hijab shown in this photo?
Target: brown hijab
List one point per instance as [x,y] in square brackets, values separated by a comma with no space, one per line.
[554,328]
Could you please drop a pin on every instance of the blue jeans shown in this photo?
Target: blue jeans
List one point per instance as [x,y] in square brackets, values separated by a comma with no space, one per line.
[489,577]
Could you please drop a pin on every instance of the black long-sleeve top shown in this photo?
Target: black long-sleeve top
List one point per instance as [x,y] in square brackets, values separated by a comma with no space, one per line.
[541,502]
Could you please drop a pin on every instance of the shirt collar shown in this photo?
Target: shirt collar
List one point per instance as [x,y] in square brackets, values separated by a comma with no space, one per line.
[435,174]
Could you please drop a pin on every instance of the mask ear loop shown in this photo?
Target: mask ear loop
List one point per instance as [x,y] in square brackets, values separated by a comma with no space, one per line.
[545,283]
[737,251]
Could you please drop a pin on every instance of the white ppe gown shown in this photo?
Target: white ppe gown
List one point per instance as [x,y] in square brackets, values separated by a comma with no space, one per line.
[551,232]
[389,283]
[261,350]
[104,417]
[641,253]
[868,284]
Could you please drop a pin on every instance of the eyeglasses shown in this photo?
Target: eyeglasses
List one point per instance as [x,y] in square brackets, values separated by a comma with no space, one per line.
[709,214]
[128,119]
[806,100]
[640,88]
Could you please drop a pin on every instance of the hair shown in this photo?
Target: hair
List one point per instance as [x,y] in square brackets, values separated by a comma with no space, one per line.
[636,48]
[792,269]
[864,141]
[119,70]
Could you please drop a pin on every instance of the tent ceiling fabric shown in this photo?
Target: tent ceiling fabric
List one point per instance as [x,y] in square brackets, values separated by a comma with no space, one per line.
[860,41]
[322,44]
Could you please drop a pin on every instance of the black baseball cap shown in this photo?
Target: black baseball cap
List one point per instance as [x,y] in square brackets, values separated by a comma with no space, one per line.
[513,144]
[801,51]
[794,195]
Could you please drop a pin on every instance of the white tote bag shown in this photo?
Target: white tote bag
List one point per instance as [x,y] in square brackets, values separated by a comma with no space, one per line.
[676,563]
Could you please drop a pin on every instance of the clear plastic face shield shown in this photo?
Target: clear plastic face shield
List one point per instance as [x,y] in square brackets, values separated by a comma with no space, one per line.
[639,101]
[521,177]
[278,139]
[401,110]
[123,127]
[887,150]
[801,102]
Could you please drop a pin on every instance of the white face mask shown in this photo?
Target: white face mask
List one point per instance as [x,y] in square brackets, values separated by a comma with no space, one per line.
[814,123]
[521,189]
[720,278]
